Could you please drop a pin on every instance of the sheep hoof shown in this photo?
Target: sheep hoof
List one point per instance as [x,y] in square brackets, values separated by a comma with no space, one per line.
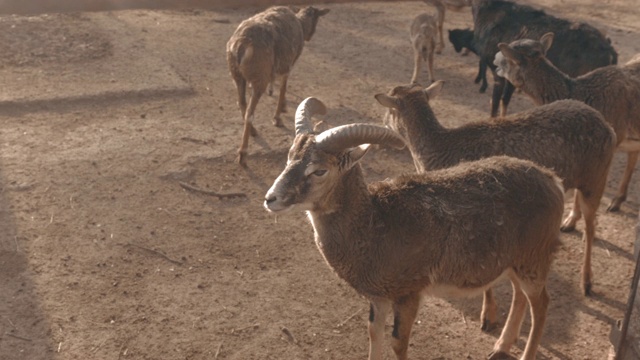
[488,326]
[499,355]
[613,208]
[242,158]
[615,204]
[277,121]
[253,131]
[587,289]
[567,228]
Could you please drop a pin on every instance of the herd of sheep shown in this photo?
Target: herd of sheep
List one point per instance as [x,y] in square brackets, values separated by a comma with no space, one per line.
[487,200]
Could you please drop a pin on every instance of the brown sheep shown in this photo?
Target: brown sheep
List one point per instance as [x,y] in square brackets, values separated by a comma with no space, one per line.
[264,47]
[422,33]
[451,232]
[441,6]
[568,137]
[612,90]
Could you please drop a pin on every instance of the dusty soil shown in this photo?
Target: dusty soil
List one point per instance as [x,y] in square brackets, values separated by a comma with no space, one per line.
[103,255]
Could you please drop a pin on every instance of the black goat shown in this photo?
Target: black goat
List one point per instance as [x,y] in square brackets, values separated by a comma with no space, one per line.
[463,39]
[577,48]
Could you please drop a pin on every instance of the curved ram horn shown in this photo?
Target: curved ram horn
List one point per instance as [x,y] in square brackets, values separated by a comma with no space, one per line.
[346,136]
[307,108]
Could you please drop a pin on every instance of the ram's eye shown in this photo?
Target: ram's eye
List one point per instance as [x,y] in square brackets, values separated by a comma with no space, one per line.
[319,172]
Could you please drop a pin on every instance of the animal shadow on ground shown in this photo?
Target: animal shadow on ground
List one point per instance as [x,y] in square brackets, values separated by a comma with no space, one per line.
[567,302]
[23,325]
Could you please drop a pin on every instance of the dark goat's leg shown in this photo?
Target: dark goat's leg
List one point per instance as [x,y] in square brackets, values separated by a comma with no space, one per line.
[482,76]
[498,90]
[506,97]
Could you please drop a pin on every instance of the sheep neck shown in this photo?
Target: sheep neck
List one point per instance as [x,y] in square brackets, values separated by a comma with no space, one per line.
[548,84]
[308,25]
[423,130]
[341,232]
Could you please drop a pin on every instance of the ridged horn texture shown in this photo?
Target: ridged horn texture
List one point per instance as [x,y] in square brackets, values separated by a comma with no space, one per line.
[307,108]
[346,136]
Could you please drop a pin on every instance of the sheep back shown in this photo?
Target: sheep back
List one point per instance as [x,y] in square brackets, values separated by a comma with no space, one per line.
[267,43]
[540,134]
[459,219]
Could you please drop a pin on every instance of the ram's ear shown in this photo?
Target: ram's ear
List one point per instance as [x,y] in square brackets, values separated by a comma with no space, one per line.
[547,40]
[323,12]
[353,155]
[387,101]
[434,89]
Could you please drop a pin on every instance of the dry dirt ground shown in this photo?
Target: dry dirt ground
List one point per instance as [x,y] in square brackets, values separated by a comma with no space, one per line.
[103,255]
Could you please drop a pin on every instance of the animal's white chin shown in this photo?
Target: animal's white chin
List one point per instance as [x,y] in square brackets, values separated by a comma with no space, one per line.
[277,207]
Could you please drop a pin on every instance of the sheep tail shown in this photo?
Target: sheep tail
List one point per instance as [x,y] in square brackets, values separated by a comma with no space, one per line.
[243,51]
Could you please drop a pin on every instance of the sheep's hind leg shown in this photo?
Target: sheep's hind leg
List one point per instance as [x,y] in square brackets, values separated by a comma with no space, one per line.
[589,207]
[429,60]
[258,90]
[511,329]
[282,102]
[538,304]
[621,196]
[241,86]
[569,224]
[440,21]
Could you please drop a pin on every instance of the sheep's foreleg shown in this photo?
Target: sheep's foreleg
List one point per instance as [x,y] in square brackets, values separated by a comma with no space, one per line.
[417,65]
[377,317]
[404,314]
[489,315]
